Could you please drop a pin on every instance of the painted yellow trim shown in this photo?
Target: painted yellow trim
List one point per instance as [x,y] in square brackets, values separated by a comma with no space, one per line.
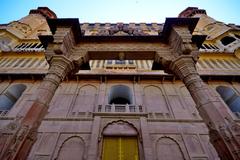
[120,148]
[23,55]
[217,56]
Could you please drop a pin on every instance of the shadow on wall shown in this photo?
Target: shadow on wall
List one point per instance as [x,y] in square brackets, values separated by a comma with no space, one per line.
[120,94]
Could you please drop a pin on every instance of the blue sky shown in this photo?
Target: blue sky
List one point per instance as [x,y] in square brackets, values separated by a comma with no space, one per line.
[147,11]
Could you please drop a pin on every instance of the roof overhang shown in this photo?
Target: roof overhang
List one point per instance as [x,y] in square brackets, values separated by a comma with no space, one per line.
[191,23]
[73,23]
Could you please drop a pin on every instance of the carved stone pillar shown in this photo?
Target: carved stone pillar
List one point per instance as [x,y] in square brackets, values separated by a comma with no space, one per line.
[224,132]
[20,143]
[62,62]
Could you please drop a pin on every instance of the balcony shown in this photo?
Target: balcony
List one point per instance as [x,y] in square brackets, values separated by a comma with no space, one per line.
[3,113]
[120,108]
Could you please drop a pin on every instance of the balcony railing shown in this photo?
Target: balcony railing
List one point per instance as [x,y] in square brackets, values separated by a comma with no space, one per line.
[120,108]
[3,113]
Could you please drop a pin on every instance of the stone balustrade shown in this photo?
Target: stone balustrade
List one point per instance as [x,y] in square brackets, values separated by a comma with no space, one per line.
[128,108]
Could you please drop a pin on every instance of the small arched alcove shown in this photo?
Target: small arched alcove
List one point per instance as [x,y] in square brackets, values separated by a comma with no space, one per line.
[10,96]
[154,100]
[120,94]
[71,149]
[169,149]
[230,97]
[85,99]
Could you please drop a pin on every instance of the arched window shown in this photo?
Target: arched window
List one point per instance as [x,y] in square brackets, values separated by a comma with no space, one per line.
[120,94]
[230,97]
[227,40]
[10,96]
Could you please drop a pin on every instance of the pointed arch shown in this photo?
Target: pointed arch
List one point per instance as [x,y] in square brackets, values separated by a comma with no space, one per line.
[85,99]
[72,148]
[154,99]
[168,149]
[87,89]
[120,128]
[193,144]
[120,139]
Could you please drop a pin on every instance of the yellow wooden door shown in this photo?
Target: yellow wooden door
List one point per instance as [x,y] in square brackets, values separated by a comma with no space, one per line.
[120,148]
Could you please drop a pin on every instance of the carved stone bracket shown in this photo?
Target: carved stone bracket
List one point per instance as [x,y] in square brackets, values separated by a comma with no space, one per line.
[66,34]
[180,41]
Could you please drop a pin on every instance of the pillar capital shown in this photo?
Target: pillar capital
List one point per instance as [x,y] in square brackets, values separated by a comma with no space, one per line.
[183,66]
[65,36]
[61,66]
[178,34]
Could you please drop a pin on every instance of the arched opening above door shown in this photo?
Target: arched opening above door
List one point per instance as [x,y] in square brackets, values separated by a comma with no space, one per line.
[120,94]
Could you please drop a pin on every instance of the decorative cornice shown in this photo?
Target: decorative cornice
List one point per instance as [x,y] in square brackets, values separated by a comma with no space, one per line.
[73,23]
[44,11]
[170,22]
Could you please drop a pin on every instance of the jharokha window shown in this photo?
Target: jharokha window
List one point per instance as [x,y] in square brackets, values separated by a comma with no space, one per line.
[9,97]
[227,40]
[231,98]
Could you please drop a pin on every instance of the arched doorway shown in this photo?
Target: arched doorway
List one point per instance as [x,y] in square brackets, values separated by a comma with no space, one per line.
[120,142]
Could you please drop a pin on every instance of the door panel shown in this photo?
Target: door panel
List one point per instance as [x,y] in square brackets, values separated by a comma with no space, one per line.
[120,148]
